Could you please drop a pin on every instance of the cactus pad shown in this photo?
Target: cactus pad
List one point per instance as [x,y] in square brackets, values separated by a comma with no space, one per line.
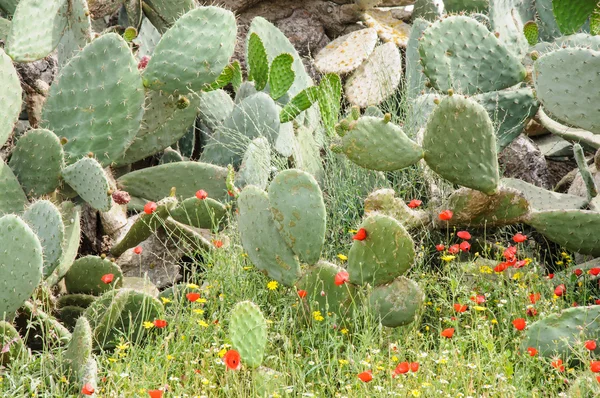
[248,333]
[377,78]
[376,144]
[78,33]
[299,212]
[207,213]
[386,253]
[256,164]
[37,160]
[555,75]
[97,101]
[397,303]
[13,199]
[193,52]
[572,14]
[385,202]
[346,53]
[215,107]
[21,264]
[460,53]
[71,215]
[79,350]
[46,222]
[388,27]
[85,276]
[89,180]
[11,97]
[541,199]
[258,64]
[281,76]
[415,79]
[9,338]
[459,144]
[266,248]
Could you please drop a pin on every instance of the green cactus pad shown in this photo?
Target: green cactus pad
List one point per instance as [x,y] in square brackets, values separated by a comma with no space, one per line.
[188,56]
[37,160]
[375,144]
[415,79]
[555,75]
[4,29]
[329,97]
[170,10]
[75,300]
[346,53]
[385,202]
[207,213]
[584,171]
[68,315]
[572,14]
[258,64]
[21,264]
[299,212]
[140,284]
[459,144]
[256,164]
[510,111]
[255,116]
[418,112]
[170,155]
[46,222]
[472,208]
[9,6]
[85,276]
[557,334]
[147,39]
[9,337]
[215,107]
[377,78]
[71,215]
[397,303]
[266,248]
[286,140]
[78,33]
[460,53]
[573,134]
[11,97]
[531,32]
[155,183]
[301,102]
[541,199]
[577,230]
[456,6]
[281,76]
[79,350]
[13,199]
[429,10]
[197,240]
[97,101]
[307,155]
[162,126]
[320,279]
[507,20]
[276,43]
[246,90]
[89,180]
[144,226]
[386,253]
[122,312]
[248,333]
[37,27]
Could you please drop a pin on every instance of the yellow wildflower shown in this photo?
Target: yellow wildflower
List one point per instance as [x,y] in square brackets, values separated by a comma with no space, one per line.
[222,353]
[317,316]
[202,323]
[484,269]
[344,331]
[394,358]
[342,257]
[494,322]
[352,231]
[63,379]
[148,325]
[517,276]
[122,346]
[272,285]
[165,300]
[448,258]
[343,362]
[478,308]
[247,268]
[170,357]
[192,286]
[198,311]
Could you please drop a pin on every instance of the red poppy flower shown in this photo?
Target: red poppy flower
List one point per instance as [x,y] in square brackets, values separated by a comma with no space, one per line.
[454,249]
[598,379]
[414,366]
[550,276]
[531,311]
[160,323]
[591,345]
[341,278]
[501,267]
[448,333]
[595,366]
[558,364]
[232,360]
[519,323]
[560,290]
[302,293]
[463,235]
[201,194]
[230,194]
[218,243]
[510,252]
[446,215]
[519,238]
[479,299]
[597,301]
[402,368]
[155,393]
[465,246]
[534,297]
[87,389]
[150,207]
[193,297]
[575,304]
[361,234]
[594,271]
[578,272]
[532,351]
[460,308]
[520,264]
[108,278]
[413,204]
[440,247]
[366,376]
[138,250]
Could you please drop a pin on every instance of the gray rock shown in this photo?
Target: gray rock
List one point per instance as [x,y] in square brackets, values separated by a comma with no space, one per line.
[523,160]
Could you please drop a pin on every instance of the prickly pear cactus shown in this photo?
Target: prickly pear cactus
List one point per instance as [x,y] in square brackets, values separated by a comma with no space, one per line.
[21,264]
[346,53]
[386,253]
[85,276]
[13,199]
[89,180]
[398,303]
[200,213]
[71,215]
[248,333]
[11,97]
[9,337]
[79,350]
[541,199]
